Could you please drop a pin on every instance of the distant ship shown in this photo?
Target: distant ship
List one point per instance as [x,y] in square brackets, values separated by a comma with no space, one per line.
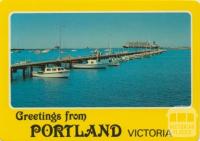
[141,44]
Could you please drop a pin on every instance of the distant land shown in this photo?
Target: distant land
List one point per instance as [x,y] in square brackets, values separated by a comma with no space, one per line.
[177,48]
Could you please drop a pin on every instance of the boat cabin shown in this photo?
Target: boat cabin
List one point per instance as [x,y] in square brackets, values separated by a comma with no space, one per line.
[54,69]
[92,61]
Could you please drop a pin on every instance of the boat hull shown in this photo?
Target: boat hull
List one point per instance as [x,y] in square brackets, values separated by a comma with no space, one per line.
[89,66]
[51,75]
[113,62]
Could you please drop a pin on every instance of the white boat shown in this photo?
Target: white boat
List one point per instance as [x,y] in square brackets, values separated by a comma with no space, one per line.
[125,58]
[23,62]
[45,51]
[91,64]
[37,51]
[52,72]
[114,62]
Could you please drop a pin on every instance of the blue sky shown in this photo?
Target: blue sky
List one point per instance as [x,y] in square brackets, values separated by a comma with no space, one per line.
[95,30]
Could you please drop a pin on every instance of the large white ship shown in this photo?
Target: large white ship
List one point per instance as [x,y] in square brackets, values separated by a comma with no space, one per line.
[141,44]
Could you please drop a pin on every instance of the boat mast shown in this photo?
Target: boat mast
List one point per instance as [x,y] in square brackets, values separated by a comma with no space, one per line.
[60,42]
[109,46]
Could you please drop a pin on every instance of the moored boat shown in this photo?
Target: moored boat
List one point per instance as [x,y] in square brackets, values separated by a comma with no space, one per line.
[114,62]
[23,62]
[45,51]
[91,64]
[52,72]
[125,58]
[37,51]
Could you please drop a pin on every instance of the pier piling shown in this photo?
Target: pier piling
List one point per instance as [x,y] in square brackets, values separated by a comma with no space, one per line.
[31,71]
[11,74]
[24,73]
[70,65]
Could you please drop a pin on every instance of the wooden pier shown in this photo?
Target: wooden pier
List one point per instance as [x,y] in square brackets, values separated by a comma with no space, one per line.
[29,66]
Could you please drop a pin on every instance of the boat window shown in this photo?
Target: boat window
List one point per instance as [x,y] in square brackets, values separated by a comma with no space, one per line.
[48,69]
[62,68]
[91,62]
[59,69]
[54,69]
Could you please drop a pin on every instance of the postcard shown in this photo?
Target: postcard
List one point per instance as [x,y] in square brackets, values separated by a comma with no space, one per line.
[100,70]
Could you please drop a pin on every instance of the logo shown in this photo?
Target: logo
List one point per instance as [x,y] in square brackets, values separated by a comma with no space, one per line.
[182,122]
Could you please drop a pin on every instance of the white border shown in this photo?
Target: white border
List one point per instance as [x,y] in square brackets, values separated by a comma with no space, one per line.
[79,12]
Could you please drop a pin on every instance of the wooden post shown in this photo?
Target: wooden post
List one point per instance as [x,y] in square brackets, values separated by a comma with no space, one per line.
[31,71]
[70,64]
[11,74]
[24,73]
[66,66]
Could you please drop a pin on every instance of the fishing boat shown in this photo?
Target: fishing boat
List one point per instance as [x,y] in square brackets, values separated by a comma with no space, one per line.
[91,64]
[52,72]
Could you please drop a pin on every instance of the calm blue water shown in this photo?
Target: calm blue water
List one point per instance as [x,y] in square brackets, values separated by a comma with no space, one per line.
[159,81]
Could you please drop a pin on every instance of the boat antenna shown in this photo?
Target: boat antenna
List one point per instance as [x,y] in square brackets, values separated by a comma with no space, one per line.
[60,42]
[109,43]
[109,46]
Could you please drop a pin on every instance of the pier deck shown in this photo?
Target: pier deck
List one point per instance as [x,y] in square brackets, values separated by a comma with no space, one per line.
[68,60]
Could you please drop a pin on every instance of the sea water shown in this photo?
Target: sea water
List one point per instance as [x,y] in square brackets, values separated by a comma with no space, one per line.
[162,80]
